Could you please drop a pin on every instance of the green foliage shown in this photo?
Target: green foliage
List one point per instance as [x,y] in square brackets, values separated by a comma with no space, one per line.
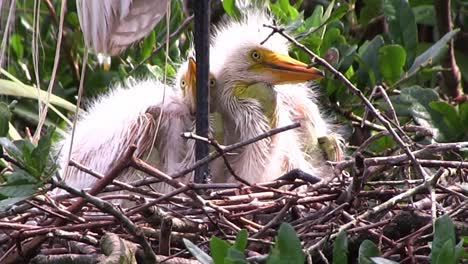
[32,166]
[340,249]
[367,250]
[444,247]
[287,249]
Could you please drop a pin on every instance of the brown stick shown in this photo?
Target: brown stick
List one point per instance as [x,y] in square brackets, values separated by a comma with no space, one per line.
[452,76]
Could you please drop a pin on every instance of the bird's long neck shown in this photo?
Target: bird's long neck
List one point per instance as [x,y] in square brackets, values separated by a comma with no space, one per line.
[248,111]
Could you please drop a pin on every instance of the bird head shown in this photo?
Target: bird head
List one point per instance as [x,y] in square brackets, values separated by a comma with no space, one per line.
[187,82]
[240,56]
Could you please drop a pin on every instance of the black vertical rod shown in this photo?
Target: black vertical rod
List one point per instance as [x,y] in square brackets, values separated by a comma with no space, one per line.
[202,56]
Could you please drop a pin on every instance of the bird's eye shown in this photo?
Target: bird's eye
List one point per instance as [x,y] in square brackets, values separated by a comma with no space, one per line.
[212,82]
[255,55]
[183,83]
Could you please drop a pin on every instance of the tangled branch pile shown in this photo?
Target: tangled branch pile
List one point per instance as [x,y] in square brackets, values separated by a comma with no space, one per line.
[85,227]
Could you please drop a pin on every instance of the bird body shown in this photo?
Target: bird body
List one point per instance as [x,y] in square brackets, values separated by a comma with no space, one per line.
[255,94]
[110,26]
[146,113]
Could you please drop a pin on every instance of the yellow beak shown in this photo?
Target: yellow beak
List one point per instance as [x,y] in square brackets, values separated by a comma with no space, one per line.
[285,69]
[191,88]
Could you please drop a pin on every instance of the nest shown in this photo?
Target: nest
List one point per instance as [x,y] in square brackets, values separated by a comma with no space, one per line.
[85,226]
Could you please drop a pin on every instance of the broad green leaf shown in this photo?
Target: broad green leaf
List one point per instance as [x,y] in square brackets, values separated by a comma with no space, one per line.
[414,102]
[40,154]
[446,254]
[230,8]
[460,251]
[19,176]
[402,26]
[340,249]
[424,14]
[443,244]
[234,256]
[368,58]
[379,260]
[11,148]
[367,249]
[287,248]
[147,45]
[449,113]
[18,190]
[5,204]
[241,240]
[430,54]
[20,90]
[17,45]
[197,252]
[370,10]
[5,116]
[391,61]
[219,249]
[463,113]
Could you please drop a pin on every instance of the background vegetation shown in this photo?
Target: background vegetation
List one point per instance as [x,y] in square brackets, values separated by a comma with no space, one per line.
[416,51]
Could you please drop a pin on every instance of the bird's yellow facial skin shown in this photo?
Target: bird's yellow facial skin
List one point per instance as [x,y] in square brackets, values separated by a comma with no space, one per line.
[263,94]
[282,68]
[188,84]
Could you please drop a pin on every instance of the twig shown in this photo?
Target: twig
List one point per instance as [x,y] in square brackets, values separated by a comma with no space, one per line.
[214,155]
[109,208]
[221,150]
[452,77]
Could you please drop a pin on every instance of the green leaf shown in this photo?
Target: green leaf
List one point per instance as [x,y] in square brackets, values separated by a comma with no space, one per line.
[340,249]
[449,113]
[424,14]
[367,249]
[219,249]
[463,112]
[430,54]
[379,260]
[235,256]
[241,240]
[15,89]
[40,154]
[402,26]
[287,248]
[446,254]
[370,10]
[5,116]
[147,45]
[391,61]
[230,8]
[460,251]
[11,149]
[443,245]
[17,45]
[5,204]
[197,252]
[368,58]
[414,102]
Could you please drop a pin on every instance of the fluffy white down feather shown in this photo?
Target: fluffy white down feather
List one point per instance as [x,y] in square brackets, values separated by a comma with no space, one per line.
[120,118]
[243,119]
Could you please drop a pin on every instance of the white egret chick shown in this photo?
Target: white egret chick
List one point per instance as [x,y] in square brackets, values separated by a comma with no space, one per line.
[130,114]
[252,101]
